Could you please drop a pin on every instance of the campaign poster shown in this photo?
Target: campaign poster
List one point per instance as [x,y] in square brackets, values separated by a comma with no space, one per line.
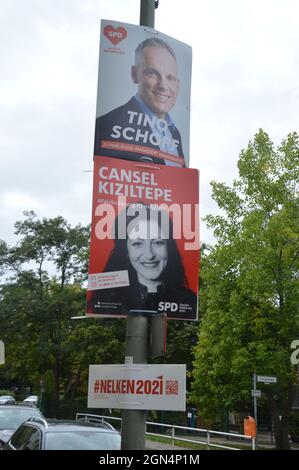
[144,251]
[137,386]
[143,95]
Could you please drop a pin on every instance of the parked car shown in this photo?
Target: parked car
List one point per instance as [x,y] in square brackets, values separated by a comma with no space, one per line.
[12,416]
[7,400]
[32,400]
[39,434]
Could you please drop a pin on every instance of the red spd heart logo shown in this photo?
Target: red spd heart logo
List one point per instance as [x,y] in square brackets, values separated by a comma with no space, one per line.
[115,35]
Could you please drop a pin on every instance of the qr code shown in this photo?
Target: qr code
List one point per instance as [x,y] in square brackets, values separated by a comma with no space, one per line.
[172,387]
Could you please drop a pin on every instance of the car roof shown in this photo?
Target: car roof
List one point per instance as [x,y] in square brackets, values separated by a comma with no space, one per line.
[21,407]
[72,425]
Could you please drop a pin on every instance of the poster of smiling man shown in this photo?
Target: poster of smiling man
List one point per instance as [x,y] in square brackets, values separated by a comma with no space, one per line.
[144,252]
[143,99]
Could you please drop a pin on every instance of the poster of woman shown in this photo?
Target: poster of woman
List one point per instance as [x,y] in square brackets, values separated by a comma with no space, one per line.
[144,253]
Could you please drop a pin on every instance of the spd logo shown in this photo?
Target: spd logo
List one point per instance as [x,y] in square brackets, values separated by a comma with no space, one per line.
[168,307]
[115,35]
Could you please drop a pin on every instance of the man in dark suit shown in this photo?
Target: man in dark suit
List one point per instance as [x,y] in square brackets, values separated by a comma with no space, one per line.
[142,129]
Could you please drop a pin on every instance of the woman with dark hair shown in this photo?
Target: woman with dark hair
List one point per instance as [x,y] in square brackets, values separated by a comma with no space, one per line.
[150,256]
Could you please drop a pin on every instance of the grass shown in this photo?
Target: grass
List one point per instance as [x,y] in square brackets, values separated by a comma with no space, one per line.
[166,440]
[193,446]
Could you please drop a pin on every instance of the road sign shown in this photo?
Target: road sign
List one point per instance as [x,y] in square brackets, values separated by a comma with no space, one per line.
[256,393]
[267,379]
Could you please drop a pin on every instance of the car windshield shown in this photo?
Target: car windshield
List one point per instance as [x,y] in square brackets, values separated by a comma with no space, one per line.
[82,440]
[11,418]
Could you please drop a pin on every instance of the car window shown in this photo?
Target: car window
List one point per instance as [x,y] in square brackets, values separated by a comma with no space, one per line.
[34,439]
[20,437]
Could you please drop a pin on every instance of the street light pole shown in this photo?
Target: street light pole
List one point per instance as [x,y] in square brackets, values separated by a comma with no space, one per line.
[255,404]
[147,13]
[255,397]
[133,421]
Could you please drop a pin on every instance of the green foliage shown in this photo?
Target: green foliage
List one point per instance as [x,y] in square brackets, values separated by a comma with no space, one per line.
[6,392]
[42,342]
[251,282]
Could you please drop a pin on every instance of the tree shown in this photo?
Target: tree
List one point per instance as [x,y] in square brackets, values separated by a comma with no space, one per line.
[48,267]
[251,278]
[36,307]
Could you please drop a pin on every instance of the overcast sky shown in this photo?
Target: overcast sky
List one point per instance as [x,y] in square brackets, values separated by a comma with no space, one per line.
[245,77]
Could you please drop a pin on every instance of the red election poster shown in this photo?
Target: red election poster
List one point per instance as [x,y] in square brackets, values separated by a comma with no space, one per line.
[143,97]
[144,252]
